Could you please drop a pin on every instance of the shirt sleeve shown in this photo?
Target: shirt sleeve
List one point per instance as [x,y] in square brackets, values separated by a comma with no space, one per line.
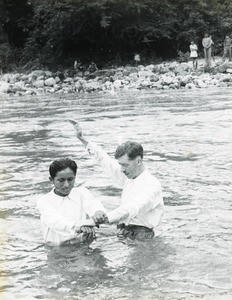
[144,202]
[52,218]
[110,166]
[91,205]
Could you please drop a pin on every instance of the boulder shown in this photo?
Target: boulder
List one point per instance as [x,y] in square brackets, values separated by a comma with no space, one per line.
[4,87]
[182,68]
[37,73]
[92,86]
[106,72]
[38,83]
[50,81]
[6,78]
[117,83]
[167,80]
[145,73]
[68,80]
[225,78]
[224,66]
[201,83]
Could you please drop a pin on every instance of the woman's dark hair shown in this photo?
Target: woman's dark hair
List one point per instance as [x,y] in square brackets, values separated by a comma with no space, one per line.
[132,149]
[62,164]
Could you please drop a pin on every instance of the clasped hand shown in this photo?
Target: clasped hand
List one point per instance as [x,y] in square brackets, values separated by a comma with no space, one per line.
[100,217]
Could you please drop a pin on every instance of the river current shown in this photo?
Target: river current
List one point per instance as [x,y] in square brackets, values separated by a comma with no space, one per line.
[187,141]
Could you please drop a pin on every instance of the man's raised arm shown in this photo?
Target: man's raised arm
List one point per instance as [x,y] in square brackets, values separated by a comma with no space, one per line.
[79,133]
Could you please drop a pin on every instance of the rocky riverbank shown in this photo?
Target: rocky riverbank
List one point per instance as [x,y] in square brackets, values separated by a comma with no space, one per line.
[166,75]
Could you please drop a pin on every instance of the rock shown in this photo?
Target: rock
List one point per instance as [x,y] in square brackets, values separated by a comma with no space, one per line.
[4,87]
[173,65]
[150,67]
[200,83]
[60,75]
[186,79]
[37,73]
[6,78]
[145,73]
[48,74]
[14,88]
[182,68]
[225,78]
[163,70]
[167,80]
[50,81]
[80,85]
[106,72]
[229,70]
[224,66]
[38,83]
[68,80]
[117,83]
[190,85]
[15,77]
[29,92]
[57,79]
[154,78]
[24,77]
[92,86]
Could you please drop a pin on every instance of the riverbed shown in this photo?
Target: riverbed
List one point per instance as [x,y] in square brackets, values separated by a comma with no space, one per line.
[187,141]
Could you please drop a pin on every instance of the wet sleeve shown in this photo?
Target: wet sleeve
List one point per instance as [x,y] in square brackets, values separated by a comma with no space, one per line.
[144,202]
[91,205]
[53,219]
[110,166]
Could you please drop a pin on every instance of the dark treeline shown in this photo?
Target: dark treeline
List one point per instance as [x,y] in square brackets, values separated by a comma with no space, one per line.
[55,33]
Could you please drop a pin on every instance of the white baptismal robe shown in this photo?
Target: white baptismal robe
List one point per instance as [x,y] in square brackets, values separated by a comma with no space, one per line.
[141,197]
[59,214]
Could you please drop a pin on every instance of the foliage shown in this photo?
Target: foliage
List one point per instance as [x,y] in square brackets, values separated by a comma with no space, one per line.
[57,32]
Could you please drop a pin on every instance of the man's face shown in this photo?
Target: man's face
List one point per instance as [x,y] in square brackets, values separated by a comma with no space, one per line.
[129,167]
[64,182]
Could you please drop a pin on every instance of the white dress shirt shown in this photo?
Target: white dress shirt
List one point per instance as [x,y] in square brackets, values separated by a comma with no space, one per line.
[60,214]
[141,197]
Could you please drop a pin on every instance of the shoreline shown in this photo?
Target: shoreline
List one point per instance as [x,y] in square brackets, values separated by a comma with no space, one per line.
[163,76]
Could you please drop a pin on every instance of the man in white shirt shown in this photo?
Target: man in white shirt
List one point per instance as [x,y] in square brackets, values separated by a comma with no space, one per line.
[68,214]
[142,205]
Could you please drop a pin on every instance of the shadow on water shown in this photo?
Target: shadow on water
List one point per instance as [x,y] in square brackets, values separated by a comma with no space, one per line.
[104,264]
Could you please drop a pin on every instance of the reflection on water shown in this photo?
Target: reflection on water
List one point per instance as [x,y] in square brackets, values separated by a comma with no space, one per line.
[187,141]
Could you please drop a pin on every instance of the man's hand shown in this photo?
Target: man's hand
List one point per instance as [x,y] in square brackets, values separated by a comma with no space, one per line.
[100,217]
[88,233]
[89,223]
[78,130]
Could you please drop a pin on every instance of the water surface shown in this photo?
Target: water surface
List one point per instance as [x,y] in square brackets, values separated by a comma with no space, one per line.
[187,140]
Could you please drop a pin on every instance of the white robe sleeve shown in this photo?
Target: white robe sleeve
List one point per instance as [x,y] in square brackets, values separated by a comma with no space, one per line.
[52,218]
[144,202]
[91,205]
[110,166]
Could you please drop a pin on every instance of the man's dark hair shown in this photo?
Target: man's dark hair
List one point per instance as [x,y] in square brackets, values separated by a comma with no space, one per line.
[62,164]
[132,149]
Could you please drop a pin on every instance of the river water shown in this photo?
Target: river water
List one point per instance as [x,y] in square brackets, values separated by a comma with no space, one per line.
[187,140]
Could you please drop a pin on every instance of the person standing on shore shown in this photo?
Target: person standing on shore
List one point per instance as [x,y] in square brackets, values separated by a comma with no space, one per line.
[141,205]
[137,59]
[227,48]
[193,54]
[207,45]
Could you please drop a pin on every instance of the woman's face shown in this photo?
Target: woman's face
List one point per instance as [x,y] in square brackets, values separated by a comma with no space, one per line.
[64,182]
